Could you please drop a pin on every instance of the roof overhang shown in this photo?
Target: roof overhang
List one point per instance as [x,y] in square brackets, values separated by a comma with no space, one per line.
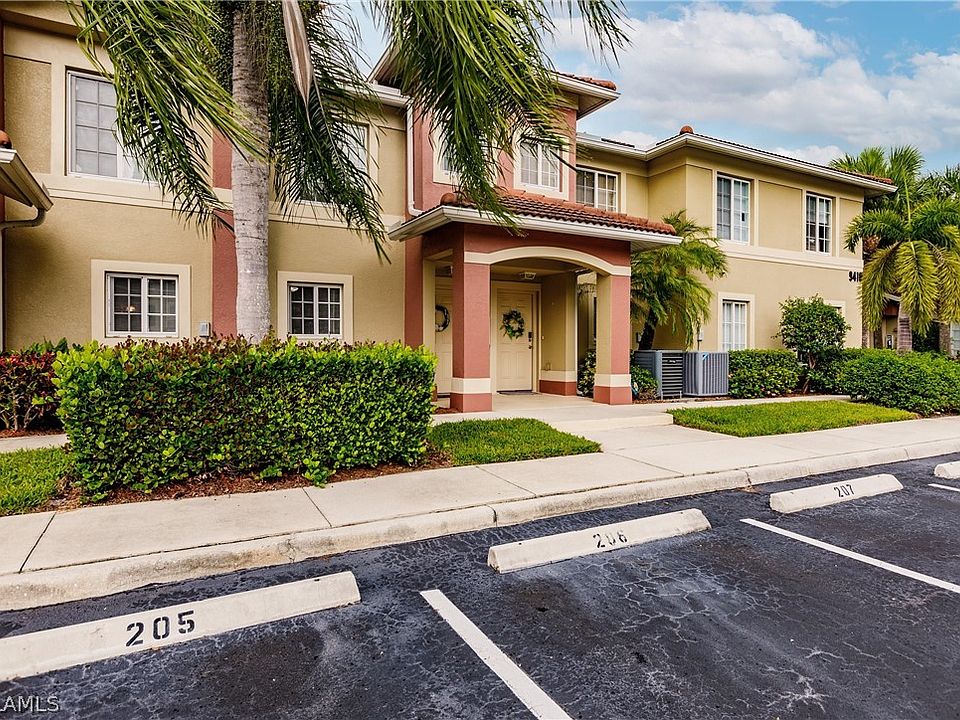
[446,214]
[18,183]
[871,188]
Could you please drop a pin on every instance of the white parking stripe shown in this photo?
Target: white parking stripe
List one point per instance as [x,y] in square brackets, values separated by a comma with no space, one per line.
[526,690]
[936,582]
[63,647]
[944,487]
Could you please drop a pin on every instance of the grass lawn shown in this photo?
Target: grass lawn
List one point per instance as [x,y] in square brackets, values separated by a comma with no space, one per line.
[787,417]
[470,442]
[28,478]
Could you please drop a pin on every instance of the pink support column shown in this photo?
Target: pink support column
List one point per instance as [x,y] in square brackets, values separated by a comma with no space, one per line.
[612,384]
[471,387]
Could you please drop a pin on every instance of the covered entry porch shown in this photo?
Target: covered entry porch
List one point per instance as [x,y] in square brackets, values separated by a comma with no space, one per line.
[500,309]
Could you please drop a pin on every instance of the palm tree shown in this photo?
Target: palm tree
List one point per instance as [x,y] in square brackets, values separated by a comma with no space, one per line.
[944,184]
[666,284]
[902,165]
[280,80]
[917,256]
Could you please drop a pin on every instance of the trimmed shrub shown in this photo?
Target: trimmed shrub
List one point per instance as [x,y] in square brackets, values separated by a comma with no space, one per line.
[586,374]
[923,383]
[643,383]
[763,373]
[144,414]
[825,378]
[27,394]
[816,331]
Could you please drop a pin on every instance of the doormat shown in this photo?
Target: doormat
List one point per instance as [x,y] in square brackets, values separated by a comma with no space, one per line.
[516,392]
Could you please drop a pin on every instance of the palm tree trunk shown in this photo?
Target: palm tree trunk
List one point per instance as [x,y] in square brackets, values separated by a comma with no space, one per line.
[251,189]
[904,332]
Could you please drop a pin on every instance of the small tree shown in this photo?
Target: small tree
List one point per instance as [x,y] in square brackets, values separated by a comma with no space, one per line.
[814,330]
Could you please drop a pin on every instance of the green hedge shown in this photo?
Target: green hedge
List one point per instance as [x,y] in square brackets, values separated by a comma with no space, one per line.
[643,383]
[924,383]
[763,373]
[144,414]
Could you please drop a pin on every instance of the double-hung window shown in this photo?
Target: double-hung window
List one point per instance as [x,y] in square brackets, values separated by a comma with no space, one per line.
[94,148]
[315,310]
[734,324]
[597,189]
[142,305]
[539,166]
[733,209]
[819,214]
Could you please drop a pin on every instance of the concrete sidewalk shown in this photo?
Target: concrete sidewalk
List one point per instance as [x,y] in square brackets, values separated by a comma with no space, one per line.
[54,557]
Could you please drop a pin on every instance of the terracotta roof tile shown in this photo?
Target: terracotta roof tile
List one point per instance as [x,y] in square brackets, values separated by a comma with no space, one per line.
[606,84]
[527,204]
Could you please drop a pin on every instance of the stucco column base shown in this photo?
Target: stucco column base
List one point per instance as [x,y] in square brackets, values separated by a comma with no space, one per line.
[607,395]
[558,387]
[471,402]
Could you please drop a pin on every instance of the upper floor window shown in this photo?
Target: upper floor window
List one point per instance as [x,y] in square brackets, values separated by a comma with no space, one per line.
[94,149]
[142,304]
[596,188]
[733,209]
[315,310]
[357,146]
[819,214]
[539,166]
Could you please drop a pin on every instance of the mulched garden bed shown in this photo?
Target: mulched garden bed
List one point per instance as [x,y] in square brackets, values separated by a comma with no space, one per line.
[71,498]
[30,433]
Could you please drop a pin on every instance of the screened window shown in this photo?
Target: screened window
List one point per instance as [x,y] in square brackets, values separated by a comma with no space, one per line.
[316,310]
[734,323]
[597,189]
[539,166]
[94,149]
[357,147]
[142,304]
[819,213]
[733,209]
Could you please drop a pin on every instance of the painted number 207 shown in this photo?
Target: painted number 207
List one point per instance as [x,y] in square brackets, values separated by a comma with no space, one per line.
[161,628]
[844,490]
[609,539]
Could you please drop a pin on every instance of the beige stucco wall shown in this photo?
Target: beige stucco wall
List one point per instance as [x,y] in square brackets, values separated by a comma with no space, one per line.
[558,322]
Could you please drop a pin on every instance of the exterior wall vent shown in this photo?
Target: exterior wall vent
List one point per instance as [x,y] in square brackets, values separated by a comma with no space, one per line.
[667,367]
[706,374]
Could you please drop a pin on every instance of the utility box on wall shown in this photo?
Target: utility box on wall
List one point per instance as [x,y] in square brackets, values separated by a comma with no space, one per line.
[667,367]
[706,374]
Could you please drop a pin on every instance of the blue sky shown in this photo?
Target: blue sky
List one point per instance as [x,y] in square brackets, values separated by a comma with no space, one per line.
[808,79]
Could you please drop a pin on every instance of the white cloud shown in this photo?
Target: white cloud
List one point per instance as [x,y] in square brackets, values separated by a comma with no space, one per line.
[641,139]
[819,154]
[712,64]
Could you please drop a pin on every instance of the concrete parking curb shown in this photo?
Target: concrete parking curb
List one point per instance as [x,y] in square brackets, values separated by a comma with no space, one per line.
[32,588]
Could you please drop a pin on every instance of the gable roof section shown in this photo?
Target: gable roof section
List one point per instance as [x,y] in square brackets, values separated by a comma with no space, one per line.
[871,185]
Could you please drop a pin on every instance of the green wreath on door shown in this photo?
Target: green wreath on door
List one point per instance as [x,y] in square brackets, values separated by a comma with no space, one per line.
[513,324]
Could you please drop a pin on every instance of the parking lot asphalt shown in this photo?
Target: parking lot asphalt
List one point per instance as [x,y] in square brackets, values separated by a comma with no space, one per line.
[733,622]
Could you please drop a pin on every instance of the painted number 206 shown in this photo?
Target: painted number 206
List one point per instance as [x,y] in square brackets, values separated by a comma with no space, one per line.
[609,540]
[161,628]
[844,490]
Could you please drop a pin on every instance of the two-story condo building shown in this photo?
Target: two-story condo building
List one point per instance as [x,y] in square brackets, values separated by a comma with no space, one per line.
[503,311]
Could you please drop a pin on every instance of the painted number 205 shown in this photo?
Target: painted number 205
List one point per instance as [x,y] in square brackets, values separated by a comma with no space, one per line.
[609,540]
[161,628]
[844,490]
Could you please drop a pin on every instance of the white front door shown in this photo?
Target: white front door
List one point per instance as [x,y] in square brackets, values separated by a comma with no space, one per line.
[443,341]
[515,355]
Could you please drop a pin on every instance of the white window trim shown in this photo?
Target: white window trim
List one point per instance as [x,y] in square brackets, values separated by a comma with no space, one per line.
[371,144]
[563,172]
[833,224]
[751,208]
[284,279]
[595,172]
[751,316]
[100,325]
[70,130]
[839,305]
[441,176]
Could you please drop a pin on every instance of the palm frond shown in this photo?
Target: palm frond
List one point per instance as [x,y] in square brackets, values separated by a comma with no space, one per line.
[948,266]
[935,221]
[161,62]
[916,277]
[879,279]
[887,226]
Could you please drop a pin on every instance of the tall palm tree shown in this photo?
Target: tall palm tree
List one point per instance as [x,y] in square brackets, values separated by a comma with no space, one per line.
[280,80]
[666,284]
[902,165]
[945,183]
